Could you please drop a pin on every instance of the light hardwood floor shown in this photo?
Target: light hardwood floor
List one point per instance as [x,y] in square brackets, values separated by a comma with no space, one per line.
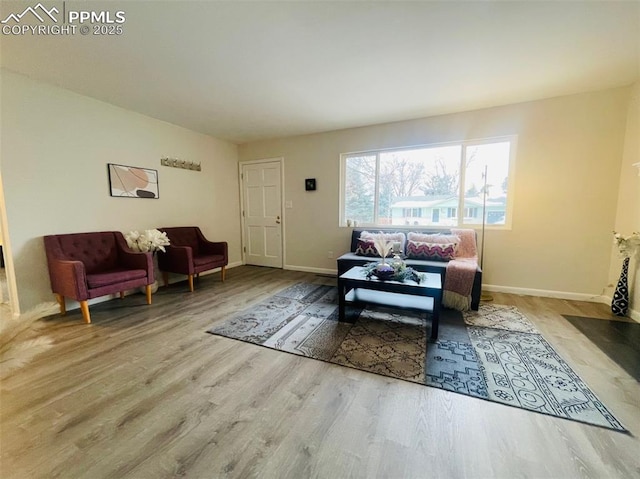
[144,392]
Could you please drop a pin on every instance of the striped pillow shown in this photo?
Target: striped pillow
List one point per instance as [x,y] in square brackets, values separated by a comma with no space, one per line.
[366,248]
[431,251]
[397,237]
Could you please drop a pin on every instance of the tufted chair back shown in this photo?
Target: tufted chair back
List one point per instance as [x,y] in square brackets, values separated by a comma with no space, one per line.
[184,236]
[97,251]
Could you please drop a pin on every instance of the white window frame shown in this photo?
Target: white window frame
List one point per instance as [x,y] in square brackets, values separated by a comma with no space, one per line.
[512,139]
[413,212]
[471,209]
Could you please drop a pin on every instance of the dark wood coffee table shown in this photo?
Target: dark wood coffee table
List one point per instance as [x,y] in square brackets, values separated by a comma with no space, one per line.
[424,297]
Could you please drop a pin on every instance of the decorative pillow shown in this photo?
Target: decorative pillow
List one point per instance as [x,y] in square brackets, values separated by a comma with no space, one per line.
[433,238]
[398,237]
[366,248]
[431,251]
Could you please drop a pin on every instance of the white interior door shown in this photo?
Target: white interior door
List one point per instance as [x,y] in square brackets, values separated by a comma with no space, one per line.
[262,213]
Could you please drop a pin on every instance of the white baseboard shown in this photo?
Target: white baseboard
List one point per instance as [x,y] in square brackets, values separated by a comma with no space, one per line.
[306,269]
[545,293]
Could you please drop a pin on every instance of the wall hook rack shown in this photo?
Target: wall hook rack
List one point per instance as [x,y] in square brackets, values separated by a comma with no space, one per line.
[177,163]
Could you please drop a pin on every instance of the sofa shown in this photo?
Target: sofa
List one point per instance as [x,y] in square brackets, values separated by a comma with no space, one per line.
[351,259]
[83,266]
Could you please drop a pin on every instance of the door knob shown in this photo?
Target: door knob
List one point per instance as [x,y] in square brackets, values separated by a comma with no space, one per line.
[277,220]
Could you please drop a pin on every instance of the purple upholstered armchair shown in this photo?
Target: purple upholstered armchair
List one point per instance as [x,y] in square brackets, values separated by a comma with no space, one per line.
[191,253]
[88,265]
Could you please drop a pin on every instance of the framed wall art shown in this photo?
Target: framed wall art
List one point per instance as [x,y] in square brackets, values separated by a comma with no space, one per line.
[132,182]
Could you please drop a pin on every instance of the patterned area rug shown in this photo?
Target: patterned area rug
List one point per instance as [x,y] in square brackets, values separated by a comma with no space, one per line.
[494,354]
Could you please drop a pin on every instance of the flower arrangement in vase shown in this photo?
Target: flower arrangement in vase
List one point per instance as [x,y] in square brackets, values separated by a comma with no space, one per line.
[383,248]
[149,241]
[627,245]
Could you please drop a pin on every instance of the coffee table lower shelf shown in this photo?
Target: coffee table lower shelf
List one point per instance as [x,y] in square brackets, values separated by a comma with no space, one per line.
[421,304]
[425,296]
[392,300]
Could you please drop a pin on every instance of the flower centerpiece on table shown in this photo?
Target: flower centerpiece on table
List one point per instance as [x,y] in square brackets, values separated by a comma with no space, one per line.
[397,270]
[149,241]
[627,245]
[383,248]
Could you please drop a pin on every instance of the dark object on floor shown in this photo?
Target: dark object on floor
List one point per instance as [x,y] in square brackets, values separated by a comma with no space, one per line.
[620,340]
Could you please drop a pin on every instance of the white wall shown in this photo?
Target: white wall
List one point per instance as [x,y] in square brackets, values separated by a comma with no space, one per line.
[570,191]
[567,174]
[54,153]
[628,211]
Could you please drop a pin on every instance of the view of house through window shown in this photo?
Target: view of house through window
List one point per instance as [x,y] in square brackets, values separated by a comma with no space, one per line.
[429,185]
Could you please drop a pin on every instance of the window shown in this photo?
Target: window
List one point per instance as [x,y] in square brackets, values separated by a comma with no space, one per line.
[412,212]
[470,213]
[428,185]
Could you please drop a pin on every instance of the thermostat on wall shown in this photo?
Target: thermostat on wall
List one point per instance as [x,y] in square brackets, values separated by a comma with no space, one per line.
[310,184]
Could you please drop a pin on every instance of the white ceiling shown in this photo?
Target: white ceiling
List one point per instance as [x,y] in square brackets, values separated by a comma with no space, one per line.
[244,71]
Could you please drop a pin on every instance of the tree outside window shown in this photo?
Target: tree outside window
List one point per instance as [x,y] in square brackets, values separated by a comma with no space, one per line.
[428,185]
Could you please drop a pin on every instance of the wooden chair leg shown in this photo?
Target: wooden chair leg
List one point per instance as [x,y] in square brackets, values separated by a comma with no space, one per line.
[84,306]
[191,282]
[147,290]
[63,307]
[222,273]
[121,294]
[165,278]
